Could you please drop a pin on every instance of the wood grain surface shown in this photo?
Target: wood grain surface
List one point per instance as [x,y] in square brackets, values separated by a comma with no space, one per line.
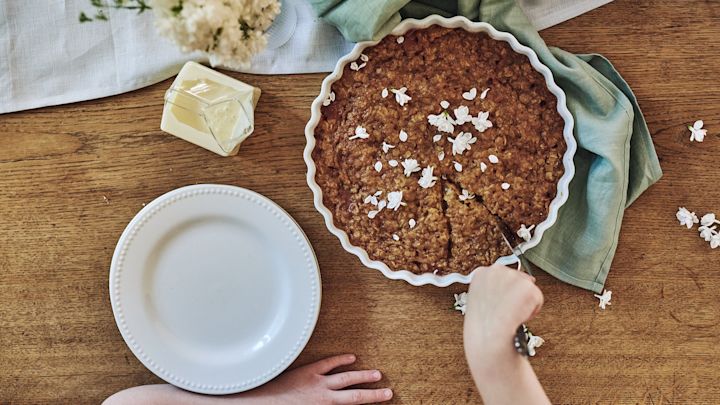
[71,177]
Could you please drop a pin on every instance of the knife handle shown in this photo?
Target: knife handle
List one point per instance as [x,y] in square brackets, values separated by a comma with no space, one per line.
[521,340]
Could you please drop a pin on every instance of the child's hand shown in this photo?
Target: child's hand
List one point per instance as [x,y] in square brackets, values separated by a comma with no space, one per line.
[499,300]
[311,384]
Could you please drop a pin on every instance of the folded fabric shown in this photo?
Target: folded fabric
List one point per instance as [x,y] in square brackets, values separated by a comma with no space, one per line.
[615,161]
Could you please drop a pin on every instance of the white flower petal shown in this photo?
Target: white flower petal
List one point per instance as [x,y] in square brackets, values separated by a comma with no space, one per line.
[484,94]
[505,186]
[403,136]
[444,104]
[470,95]
[378,166]
[400,39]
[384,93]
[493,159]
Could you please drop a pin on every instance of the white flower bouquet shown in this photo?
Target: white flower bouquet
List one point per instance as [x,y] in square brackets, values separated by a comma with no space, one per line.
[230,32]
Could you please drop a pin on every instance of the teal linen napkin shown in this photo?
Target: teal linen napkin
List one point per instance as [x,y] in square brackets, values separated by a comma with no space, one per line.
[615,161]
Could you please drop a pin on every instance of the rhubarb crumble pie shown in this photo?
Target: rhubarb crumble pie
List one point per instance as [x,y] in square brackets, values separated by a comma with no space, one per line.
[428,136]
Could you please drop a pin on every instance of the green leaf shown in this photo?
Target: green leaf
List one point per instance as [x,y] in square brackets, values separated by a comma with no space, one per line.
[84,18]
[177,9]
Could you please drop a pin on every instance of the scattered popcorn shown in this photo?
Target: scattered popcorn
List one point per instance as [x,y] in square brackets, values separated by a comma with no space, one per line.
[400,39]
[441,156]
[364,57]
[329,99]
[361,133]
[462,142]
[697,133]
[462,115]
[533,343]
[393,163]
[604,298]
[457,166]
[412,223]
[484,94]
[394,200]
[403,136]
[493,159]
[427,179]
[524,232]
[410,166]
[460,302]
[686,217]
[481,122]
[378,166]
[395,237]
[384,93]
[505,186]
[483,167]
[400,96]
[466,195]
[470,95]
[386,147]
[437,138]
[442,121]
[444,104]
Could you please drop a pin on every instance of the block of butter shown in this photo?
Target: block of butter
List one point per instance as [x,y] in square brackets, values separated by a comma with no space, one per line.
[210,109]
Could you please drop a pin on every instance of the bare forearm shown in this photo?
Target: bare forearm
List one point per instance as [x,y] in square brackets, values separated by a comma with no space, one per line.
[164,394]
[505,377]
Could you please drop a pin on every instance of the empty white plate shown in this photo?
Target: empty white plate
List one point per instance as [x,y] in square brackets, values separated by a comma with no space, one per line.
[215,288]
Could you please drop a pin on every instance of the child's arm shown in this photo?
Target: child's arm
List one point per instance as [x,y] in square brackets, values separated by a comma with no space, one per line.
[309,384]
[500,299]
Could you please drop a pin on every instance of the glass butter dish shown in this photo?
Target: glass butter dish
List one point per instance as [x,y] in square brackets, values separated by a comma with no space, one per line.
[210,109]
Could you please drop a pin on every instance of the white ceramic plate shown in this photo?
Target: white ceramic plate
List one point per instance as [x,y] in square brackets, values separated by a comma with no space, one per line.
[400,29]
[214,288]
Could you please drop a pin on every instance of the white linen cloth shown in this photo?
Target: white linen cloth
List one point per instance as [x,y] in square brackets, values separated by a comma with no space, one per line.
[47,57]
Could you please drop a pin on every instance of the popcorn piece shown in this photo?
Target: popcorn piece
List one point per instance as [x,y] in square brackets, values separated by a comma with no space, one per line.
[686,217]
[470,95]
[604,298]
[360,133]
[697,133]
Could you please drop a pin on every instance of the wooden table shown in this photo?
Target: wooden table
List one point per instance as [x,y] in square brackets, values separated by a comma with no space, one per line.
[72,176]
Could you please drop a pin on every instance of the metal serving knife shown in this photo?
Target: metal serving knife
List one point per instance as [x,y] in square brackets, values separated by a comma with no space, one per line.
[522,336]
